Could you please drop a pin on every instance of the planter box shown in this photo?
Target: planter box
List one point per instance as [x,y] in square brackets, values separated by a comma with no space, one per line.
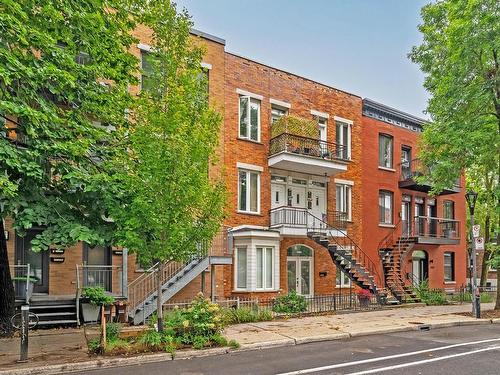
[90,312]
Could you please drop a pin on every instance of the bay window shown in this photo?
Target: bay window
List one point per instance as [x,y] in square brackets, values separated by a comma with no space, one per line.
[241,267]
[265,267]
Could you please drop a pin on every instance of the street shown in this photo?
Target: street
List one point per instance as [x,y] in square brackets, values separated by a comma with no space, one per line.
[455,350]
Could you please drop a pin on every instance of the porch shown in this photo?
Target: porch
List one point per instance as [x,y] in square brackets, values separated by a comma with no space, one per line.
[432,230]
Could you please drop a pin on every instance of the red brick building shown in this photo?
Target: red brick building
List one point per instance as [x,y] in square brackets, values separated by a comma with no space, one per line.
[312,206]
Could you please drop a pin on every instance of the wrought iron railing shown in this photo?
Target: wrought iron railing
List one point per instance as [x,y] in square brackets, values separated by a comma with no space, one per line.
[411,169]
[317,148]
[433,227]
[298,217]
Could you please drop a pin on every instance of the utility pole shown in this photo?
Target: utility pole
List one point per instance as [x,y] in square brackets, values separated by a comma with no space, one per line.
[471,197]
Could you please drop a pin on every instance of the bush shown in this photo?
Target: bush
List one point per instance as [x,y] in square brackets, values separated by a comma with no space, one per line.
[430,296]
[97,296]
[233,344]
[290,304]
[246,315]
[152,339]
[94,346]
[197,324]
[113,331]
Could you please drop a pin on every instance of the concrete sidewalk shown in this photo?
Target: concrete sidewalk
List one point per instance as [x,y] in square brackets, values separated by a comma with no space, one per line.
[63,350]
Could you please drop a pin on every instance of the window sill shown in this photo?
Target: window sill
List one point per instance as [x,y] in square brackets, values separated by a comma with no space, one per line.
[386,169]
[387,225]
[249,213]
[250,140]
[449,282]
[256,291]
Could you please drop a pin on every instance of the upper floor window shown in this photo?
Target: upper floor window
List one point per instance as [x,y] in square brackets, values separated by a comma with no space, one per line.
[343,138]
[385,151]
[385,204]
[277,113]
[248,191]
[449,266]
[449,209]
[343,198]
[322,125]
[147,62]
[249,115]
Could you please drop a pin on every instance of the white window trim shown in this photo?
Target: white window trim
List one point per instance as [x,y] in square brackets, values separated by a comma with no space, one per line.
[343,182]
[247,137]
[250,94]
[144,47]
[349,133]
[250,167]
[320,114]
[341,119]
[264,268]
[206,65]
[236,268]
[248,211]
[347,191]
[280,103]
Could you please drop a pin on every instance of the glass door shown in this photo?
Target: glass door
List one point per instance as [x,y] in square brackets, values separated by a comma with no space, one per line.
[98,271]
[38,261]
[405,216]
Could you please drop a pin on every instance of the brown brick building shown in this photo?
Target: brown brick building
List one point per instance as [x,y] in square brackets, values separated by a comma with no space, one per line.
[301,164]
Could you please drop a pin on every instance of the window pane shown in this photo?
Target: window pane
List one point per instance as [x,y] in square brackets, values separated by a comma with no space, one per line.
[254,186]
[254,120]
[338,198]
[244,116]
[385,151]
[347,207]
[243,191]
[260,266]
[385,208]
[269,268]
[241,276]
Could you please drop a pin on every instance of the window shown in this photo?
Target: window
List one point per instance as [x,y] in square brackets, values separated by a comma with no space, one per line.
[322,123]
[265,268]
[406,162]
[249,118]
[385,151]
[449,209]
[147,65]
[449,266]
[385,207]
[248,191]
[241,267]
[343,198]
[342,280]
[277,113]
[343,138]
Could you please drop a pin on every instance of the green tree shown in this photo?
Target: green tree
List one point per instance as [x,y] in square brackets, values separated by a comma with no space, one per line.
[460,58]
[173,204]
[64,68]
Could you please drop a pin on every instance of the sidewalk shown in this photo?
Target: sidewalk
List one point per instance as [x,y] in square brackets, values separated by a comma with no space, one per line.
[54,351]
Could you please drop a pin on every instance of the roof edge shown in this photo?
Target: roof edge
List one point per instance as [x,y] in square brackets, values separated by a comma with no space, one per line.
[207,36]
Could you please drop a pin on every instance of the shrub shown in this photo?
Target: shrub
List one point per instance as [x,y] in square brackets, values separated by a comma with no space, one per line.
[117,344]
[290,304]
[97,296]
[151,338]
[246,315]
[430,296]
[201,319]
[94,346]
[233,344]
[113,331]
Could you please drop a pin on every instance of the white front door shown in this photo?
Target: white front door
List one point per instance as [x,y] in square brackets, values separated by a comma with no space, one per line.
[318,204]
[297,197]
[299,275]
[278,195]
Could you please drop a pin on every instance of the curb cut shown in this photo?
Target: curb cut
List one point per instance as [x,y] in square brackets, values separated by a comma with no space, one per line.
[103,363]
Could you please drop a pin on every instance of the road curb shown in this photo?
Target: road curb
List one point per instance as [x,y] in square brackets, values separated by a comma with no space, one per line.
[104,362]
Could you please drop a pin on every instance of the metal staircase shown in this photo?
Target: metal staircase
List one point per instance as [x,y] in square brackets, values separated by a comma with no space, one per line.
[347,255]
[393,250]
[174,276]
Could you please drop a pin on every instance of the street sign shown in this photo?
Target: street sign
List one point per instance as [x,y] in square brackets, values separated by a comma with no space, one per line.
[475,230]
[479,243]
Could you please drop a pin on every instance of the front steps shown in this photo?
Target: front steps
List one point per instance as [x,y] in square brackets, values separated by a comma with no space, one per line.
[54,311]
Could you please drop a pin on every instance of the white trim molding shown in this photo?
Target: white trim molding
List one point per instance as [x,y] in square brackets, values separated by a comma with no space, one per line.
[320,114]
[341,119]
[343,182]
[144,47]
[206,65]
[249,167]
[280,103]
[250,94]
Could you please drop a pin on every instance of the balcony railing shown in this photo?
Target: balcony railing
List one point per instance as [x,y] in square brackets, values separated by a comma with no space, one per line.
[431,227]
[411,170]
[296,217]
[316,148]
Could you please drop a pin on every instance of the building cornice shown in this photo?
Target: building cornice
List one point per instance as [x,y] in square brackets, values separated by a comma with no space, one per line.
[392,116]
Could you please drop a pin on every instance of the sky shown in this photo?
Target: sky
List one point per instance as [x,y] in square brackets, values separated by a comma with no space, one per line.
[359,46]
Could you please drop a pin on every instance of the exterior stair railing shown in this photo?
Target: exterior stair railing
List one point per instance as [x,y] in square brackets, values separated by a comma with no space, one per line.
[316,225]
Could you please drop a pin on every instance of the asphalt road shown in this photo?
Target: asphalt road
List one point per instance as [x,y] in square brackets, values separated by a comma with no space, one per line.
[472,350]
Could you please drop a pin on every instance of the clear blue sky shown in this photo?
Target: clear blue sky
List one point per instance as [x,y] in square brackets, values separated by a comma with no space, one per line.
[359,46]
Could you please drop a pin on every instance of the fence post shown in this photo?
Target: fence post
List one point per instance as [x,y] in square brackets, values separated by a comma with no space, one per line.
[125,272]
[237,302]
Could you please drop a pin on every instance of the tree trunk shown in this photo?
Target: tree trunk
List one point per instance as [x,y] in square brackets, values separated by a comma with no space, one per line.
[7,294]
[486,253]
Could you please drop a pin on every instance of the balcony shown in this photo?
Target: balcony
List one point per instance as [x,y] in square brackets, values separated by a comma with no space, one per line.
[432,230]
[410,170]
[307,155]
[294,221]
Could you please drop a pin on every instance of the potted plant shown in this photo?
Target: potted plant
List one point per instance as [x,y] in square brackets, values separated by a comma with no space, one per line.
[93,297]
[364,296]
[24,286]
